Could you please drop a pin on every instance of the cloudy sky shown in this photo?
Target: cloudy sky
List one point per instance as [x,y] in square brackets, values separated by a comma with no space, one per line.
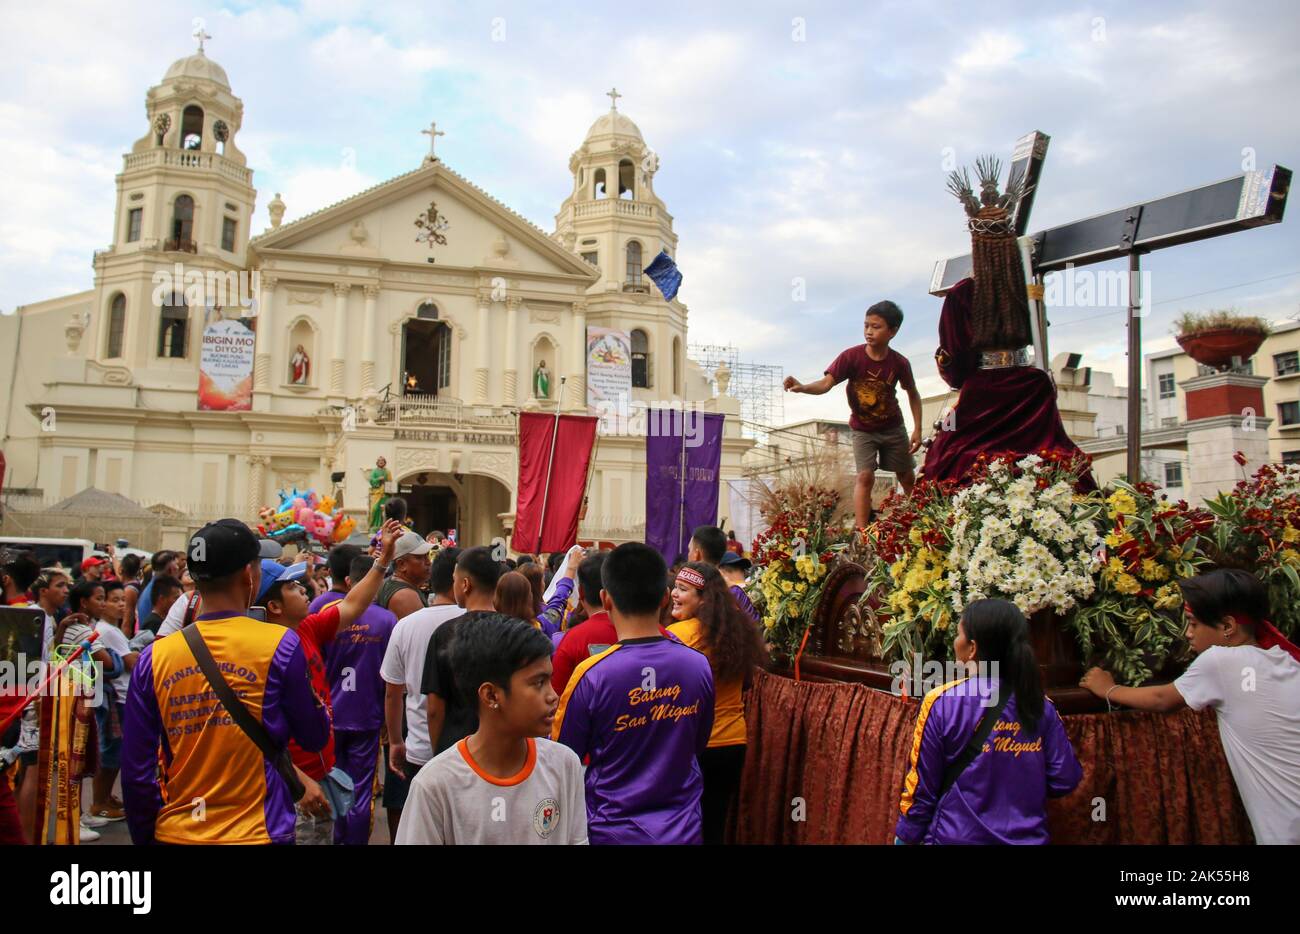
[798,141]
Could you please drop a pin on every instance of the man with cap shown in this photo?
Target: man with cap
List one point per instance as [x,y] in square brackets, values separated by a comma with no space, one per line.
[286,604]
[214,784]
[733,568]
[186,609]
[92,569]
[403,593]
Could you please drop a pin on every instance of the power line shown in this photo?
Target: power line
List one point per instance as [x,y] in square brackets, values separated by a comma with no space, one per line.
[1181,298]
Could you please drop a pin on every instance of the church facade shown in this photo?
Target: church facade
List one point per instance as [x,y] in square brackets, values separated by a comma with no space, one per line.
[376,336]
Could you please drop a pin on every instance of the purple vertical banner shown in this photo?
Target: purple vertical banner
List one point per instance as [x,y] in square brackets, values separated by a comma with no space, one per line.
[683,461]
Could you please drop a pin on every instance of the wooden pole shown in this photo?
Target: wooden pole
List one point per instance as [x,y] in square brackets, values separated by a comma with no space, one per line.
[546,490]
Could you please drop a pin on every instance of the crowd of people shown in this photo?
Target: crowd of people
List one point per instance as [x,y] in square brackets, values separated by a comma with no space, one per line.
[594,697]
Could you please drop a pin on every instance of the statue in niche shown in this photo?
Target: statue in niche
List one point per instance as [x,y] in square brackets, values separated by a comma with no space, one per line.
[300,366]
[542,381]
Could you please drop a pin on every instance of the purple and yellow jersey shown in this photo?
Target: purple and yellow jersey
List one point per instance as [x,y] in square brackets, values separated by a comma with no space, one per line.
[1001,797]
[189,774]
[352,661]
[639,713]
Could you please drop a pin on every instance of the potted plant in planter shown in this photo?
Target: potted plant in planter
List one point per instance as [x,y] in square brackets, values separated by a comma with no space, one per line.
[1215,338]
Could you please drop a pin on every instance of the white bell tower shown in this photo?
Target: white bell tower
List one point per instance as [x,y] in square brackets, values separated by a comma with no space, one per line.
[184,196]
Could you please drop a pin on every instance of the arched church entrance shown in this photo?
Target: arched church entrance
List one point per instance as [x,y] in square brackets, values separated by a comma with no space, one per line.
[472,504]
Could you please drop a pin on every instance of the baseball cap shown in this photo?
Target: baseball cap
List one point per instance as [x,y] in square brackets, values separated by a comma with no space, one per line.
[272,571]
[733,560]
[411,543]
[223,547]
[92,562]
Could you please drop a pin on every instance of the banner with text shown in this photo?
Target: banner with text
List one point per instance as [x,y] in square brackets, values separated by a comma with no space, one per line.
[609,377]
[683,459]
[226,367]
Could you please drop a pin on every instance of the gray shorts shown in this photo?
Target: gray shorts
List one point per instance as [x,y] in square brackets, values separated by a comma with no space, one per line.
[893,446]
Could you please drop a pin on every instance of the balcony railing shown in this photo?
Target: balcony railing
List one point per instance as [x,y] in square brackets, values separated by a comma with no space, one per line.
[188,159]
[603,207]
[418,410]
[181,245]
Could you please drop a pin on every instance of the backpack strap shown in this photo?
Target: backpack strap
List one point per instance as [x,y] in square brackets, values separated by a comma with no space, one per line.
[976,744]
[252,728]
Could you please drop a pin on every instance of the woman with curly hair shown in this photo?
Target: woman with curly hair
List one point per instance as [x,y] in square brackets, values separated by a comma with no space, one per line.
[709,621]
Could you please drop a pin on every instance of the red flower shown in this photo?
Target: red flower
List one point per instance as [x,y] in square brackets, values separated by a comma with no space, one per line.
[1240,458]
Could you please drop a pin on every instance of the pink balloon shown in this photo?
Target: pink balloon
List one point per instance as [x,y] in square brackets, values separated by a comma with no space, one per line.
[306,518]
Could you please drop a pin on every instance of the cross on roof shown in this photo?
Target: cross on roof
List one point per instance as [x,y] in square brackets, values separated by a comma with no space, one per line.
[433,133]
[613,96]
[200,33]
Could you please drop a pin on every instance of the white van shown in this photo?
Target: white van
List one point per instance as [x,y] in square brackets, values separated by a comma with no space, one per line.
[69,552]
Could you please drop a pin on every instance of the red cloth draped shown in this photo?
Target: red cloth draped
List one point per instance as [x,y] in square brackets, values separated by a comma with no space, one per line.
[568,480]
[842,749]
[1005,410]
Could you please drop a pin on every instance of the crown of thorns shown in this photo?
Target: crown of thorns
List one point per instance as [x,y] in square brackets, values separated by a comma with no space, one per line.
[990,213]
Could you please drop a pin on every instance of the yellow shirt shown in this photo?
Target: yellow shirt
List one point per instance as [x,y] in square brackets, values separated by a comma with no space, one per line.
[728,708]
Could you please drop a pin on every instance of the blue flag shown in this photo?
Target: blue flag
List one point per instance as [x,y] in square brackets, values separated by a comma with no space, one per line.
[665,274]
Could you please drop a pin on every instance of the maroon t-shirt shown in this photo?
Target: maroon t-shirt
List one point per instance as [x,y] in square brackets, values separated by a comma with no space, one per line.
[873,404]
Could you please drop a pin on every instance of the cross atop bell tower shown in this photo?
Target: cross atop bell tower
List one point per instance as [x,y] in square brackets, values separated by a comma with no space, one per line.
[613,96]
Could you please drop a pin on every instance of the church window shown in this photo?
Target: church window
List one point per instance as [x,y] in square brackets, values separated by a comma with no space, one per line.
[626,179]
[134,217]
[633,263]
[598,185]
[173,326]
[192,127]
[228,226]
[182,224]
[428,311]
[116,326]
[640,360]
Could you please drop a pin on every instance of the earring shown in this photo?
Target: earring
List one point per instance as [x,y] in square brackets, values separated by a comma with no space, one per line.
[495,706]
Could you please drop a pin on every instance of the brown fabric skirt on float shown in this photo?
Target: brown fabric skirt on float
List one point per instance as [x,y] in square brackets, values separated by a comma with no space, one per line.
[825,764]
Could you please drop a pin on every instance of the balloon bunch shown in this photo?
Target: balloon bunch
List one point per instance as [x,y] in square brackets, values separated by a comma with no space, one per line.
[303,515]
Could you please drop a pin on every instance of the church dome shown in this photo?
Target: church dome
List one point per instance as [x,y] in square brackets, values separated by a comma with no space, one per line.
[197,65]
[614,123]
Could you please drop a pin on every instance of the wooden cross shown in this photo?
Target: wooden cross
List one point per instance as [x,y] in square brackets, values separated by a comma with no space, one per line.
[433,133]
[199,33]
[613,96]
[1251,199]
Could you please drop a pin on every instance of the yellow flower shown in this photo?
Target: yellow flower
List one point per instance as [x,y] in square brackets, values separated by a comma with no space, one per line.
[1127,583]
[914,536]
[1115,539]
[1174,553]
[786,587]
[1168,597]
[1120,503]
[801,587]
[1290,556]
[1152,571]
[1291,534]
[794,610]
[769,622]
[944,621]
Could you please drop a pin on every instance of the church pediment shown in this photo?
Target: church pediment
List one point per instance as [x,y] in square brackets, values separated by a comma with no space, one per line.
[380,224]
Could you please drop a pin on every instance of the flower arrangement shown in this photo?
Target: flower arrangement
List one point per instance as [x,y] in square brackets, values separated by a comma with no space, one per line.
[806,529]
[1258,529]
[1134,622]
[1225,319]
[1019,531]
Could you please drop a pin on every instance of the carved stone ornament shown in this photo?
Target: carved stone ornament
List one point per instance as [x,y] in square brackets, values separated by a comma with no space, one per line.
[543,315]
[297,297]
[162,123]
[76,326]
[220,131]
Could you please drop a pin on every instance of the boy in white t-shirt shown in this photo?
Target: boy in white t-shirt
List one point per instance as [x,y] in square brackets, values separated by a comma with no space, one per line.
[500,784]
[1250,674]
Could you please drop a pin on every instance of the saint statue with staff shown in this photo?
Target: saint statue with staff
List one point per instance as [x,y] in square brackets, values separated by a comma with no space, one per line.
[378,477]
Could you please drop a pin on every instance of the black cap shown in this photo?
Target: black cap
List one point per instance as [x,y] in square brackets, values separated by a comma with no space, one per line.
[221,548]
[731,559]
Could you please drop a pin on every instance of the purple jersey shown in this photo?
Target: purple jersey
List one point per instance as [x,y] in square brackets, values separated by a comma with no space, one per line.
[319,603]
[1001,797]
[352,663]
[639,713]
[742,600]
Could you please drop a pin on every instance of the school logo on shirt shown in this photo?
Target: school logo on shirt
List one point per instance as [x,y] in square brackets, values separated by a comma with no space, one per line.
[546,817]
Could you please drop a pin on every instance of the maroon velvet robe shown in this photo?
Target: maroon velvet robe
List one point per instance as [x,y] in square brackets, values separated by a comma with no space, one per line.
[999,411]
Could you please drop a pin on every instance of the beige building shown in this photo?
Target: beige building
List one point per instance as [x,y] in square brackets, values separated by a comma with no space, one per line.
[369,342]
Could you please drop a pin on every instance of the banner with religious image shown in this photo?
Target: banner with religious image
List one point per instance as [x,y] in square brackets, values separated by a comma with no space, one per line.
[609,377]
[226,367]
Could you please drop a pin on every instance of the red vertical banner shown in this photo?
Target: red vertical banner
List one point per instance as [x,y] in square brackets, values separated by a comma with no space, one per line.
[552,480]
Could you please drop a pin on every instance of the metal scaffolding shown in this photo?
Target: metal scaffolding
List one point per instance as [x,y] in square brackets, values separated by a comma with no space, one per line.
[756,385]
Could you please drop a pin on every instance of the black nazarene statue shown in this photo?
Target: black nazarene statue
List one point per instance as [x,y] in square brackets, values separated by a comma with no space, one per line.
[1004,405]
